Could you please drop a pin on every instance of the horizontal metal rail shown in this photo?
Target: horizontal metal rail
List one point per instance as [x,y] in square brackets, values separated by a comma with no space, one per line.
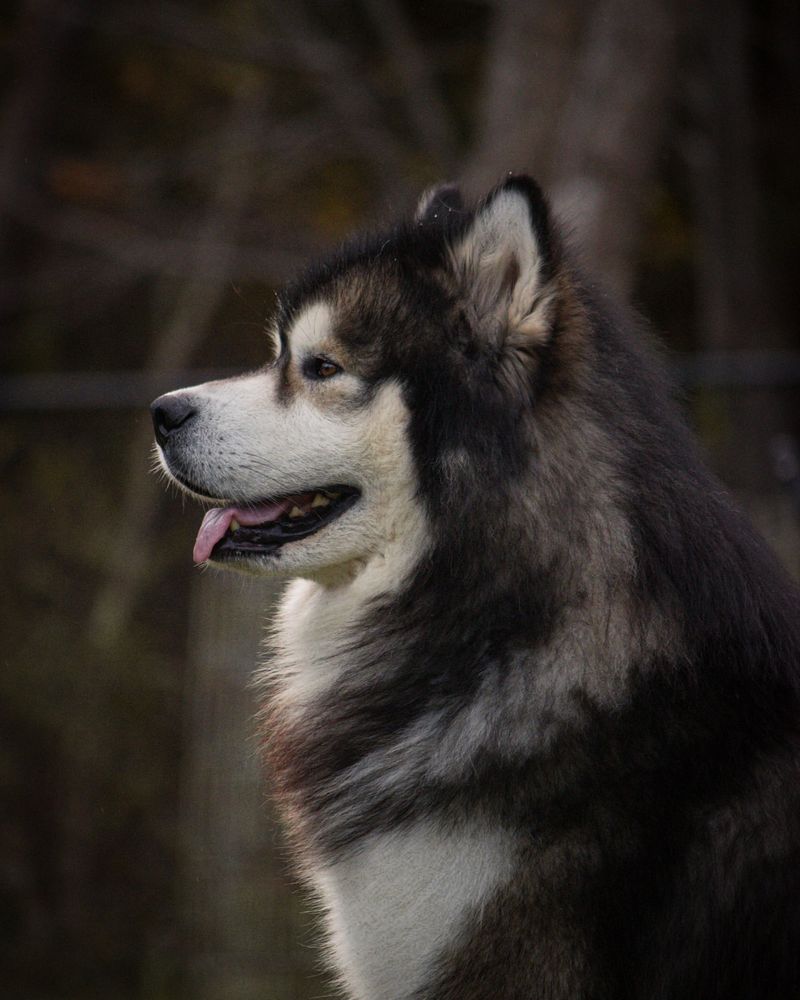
[123,390]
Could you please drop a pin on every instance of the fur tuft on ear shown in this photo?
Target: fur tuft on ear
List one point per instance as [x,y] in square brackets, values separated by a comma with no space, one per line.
[504,262]
[437,203]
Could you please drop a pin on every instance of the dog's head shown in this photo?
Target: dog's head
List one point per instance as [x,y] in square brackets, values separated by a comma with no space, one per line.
[403,372]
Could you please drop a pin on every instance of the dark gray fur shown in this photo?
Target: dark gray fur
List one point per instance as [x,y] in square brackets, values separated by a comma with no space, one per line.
[597,654]
[594,597]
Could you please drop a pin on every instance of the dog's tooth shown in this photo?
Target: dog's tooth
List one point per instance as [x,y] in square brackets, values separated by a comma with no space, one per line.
[234,525]
[319,500]
[295,512]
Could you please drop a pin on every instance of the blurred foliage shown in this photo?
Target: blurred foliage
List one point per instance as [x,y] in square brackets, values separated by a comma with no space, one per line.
[88,826]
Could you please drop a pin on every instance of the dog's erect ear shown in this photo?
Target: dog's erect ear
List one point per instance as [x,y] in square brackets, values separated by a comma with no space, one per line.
[504,261]
[437,203]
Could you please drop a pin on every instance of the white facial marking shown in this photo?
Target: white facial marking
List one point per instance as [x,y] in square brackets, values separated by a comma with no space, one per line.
[310,329]
[405,896]
[274,340]
[247,446]
[317,620]
[248,443]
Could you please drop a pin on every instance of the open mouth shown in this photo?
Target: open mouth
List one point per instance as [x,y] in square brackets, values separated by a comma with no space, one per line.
[260,529]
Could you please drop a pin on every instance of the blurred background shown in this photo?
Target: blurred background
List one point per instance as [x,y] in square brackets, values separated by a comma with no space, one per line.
[164,167]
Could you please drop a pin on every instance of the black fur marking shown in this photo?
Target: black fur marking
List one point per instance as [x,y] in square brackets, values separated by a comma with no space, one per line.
[441,202]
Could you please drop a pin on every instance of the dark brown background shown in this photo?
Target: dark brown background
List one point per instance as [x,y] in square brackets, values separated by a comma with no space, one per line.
[163,167]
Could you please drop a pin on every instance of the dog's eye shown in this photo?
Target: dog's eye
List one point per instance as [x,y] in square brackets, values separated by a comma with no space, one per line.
[321,367]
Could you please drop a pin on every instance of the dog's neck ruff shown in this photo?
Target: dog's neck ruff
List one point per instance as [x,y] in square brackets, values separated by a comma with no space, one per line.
[396,900]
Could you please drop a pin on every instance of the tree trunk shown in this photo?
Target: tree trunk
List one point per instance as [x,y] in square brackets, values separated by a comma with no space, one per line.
[611,129]
[529,64]
[731,273]
[576,94]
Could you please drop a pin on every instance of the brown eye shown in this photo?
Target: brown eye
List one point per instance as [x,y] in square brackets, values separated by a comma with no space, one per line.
[321,367]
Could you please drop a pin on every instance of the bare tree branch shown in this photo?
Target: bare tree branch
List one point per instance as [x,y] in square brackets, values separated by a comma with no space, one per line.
[172,24]
[296,44]
[197,302]
[341,85]
[39,45]
[146,252]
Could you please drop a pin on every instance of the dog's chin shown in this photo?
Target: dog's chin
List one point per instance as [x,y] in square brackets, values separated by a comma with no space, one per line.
[332,555]
[321,563]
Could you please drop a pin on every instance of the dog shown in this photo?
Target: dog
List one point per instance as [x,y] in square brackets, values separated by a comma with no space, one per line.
[531,712]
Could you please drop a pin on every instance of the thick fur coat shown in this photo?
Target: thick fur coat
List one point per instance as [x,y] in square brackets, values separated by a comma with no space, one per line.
[532,705]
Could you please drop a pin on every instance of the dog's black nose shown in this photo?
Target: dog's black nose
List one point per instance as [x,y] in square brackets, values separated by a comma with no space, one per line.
[169,413]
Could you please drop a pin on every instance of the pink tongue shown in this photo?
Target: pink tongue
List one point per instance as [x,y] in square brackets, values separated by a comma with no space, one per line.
[216,523]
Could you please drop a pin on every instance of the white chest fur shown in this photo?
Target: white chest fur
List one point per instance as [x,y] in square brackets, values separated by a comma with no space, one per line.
[403,897]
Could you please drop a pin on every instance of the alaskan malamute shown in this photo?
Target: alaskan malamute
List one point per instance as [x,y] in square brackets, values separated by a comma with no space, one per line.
[532,712]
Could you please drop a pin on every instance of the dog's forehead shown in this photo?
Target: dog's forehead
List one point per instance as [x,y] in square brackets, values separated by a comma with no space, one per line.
[311,327]
[351,312]
[365,285]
